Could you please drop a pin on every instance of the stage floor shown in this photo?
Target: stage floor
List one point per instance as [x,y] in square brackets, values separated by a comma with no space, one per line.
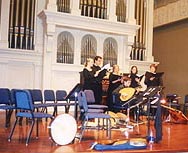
[174,139]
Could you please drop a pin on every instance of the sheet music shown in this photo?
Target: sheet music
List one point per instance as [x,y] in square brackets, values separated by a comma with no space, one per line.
[107,66]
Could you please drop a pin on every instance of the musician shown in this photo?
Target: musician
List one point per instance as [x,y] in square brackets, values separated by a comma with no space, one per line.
[97,86]
[135,79]
[88,75]
[151,78]
[114,82]
[125,83]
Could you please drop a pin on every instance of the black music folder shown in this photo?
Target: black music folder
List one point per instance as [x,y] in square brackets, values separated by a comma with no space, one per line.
[156,75]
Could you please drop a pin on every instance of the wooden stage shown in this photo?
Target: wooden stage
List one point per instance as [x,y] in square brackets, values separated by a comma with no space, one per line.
[174,139]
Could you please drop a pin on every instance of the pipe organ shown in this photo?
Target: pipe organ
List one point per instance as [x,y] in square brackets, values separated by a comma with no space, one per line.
[121,10]
[94,8]
[110,51]
[65,47]
[63,6]
[21,24]
[139,48]
[88,48]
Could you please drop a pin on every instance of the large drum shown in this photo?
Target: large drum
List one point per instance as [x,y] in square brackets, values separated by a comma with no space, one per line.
[63,129]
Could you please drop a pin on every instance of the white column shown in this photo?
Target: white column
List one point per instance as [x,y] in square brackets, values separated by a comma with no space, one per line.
[112,10]
[100,38]
[48,55]
[149,30]
[75,7]
[123,54]
[52,5]
[131,12]
[77,48]
[4,23]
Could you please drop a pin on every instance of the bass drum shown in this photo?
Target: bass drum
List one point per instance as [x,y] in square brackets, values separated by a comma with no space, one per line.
[63,129]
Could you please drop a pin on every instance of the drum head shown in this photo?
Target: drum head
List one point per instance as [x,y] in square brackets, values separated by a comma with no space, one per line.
[63,129]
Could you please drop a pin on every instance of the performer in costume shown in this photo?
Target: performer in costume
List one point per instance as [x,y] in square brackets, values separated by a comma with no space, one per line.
[114,82]
[135,83]
[97,86]
[122,94]
[152,78]
[88,75]
[135,79]
[125,83]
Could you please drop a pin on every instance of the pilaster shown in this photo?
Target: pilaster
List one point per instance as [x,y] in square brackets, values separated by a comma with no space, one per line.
[131,12]
[112,11]
[4,21]
[52,6]
[75,7]
[149,30]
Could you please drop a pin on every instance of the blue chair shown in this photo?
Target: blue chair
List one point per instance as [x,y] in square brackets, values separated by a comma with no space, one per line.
[61,100]
[50,100]
[37,99]
[25,104]
[82,102]
[13,101]
[6,104]
[91,101]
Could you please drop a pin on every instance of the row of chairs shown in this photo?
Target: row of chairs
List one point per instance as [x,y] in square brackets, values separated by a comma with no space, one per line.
[41,101]
[26,102]
[32,104]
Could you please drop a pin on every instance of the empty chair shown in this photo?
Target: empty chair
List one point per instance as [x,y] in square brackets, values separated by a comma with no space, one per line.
[61,98]
[185,105]
[37,96]
[25,104]
[87,115]
[50,100]
[173,100]
[6,104]
[37,99]
[61,95]
[91,100]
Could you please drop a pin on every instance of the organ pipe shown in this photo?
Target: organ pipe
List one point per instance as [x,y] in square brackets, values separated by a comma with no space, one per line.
[21,27]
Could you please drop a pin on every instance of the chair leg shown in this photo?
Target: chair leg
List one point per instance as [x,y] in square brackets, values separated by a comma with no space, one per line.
[84,124]
[29,134]
[184,109]
[37,128]
[12,130]
[8,117]
[55,111]
[108,128]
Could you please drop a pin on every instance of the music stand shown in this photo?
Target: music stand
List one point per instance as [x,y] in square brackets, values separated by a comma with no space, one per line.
[72,96]
[149,94]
